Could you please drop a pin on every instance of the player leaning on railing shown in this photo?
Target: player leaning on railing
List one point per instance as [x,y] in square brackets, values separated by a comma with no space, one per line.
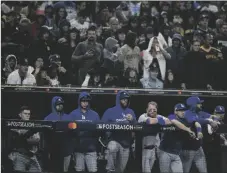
[25,146]
[151,140]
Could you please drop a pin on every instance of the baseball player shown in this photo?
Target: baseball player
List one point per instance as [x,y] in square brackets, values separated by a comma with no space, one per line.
[87,141]
[213,141]
[25,143]
[150,140]
[60,144]
[119,142]
[192,148]
[171,143]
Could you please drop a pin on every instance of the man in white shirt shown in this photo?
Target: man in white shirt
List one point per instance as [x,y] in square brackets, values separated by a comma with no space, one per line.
[151,140]
[21,76]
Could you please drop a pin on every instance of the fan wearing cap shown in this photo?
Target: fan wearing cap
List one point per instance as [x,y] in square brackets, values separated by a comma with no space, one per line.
[60,144]
[152,81]
[177,53]
[119,142]
[192,149]
[85,153]
[57,73]
[202,27]
[21,76]
[171,143]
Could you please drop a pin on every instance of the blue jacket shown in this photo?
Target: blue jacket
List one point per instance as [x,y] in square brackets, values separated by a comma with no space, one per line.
[117,114]
[193,115]
[60,142]
[87,140]
[172,141]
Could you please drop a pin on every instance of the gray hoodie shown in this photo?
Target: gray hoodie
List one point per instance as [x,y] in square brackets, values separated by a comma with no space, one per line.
[111,59]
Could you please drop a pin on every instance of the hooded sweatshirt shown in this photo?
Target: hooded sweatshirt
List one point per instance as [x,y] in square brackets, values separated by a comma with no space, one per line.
[117,114]
[194,115]
[87,140]
[111,60]
[59,142]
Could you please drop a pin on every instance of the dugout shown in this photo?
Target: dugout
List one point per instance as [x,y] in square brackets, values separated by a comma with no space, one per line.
[39,99]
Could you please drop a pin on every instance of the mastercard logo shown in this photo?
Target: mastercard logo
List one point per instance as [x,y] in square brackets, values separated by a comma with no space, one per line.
[72,125]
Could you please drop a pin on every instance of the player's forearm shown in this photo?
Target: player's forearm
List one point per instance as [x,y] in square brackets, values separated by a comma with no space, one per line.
[180,125]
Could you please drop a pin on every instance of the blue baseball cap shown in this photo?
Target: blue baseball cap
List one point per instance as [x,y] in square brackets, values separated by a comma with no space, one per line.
[124,95]
[59,101]
[180,107]
[219,109]
[194,100]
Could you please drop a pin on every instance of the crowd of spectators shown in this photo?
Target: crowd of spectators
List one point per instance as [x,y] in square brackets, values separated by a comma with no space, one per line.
[143,44]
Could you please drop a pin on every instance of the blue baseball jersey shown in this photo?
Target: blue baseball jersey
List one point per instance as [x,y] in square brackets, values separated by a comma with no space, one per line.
[172,141]
[59,141]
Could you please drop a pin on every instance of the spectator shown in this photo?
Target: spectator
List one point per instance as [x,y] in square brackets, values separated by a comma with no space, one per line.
[130,52]
[40,20]
[155,53]
[177,53]
[21,76]
[81,24]
[70,8]
[10,66]
[121,36]
[88,54]
[202,28]
[44,46]
[38,66]
[152,81]
[171,81]
[214,58]
[148,35]
[42,79]
[193,68]
[113,67]
[58,74]
[60,15]
[131,79]
[63,30]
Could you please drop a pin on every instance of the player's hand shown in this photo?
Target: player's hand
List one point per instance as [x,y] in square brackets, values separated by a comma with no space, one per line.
[129,117]
[191,133]
[200,135]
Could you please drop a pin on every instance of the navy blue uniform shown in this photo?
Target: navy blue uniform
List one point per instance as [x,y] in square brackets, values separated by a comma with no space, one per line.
[60,144]
[87,140]
[119,141]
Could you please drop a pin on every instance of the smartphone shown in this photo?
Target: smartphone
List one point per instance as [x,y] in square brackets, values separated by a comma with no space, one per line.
[157,48]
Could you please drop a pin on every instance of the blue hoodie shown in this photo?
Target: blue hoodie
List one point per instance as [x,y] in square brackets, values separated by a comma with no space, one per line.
[87,140]
[59,141]
[117,114]
[192,115]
